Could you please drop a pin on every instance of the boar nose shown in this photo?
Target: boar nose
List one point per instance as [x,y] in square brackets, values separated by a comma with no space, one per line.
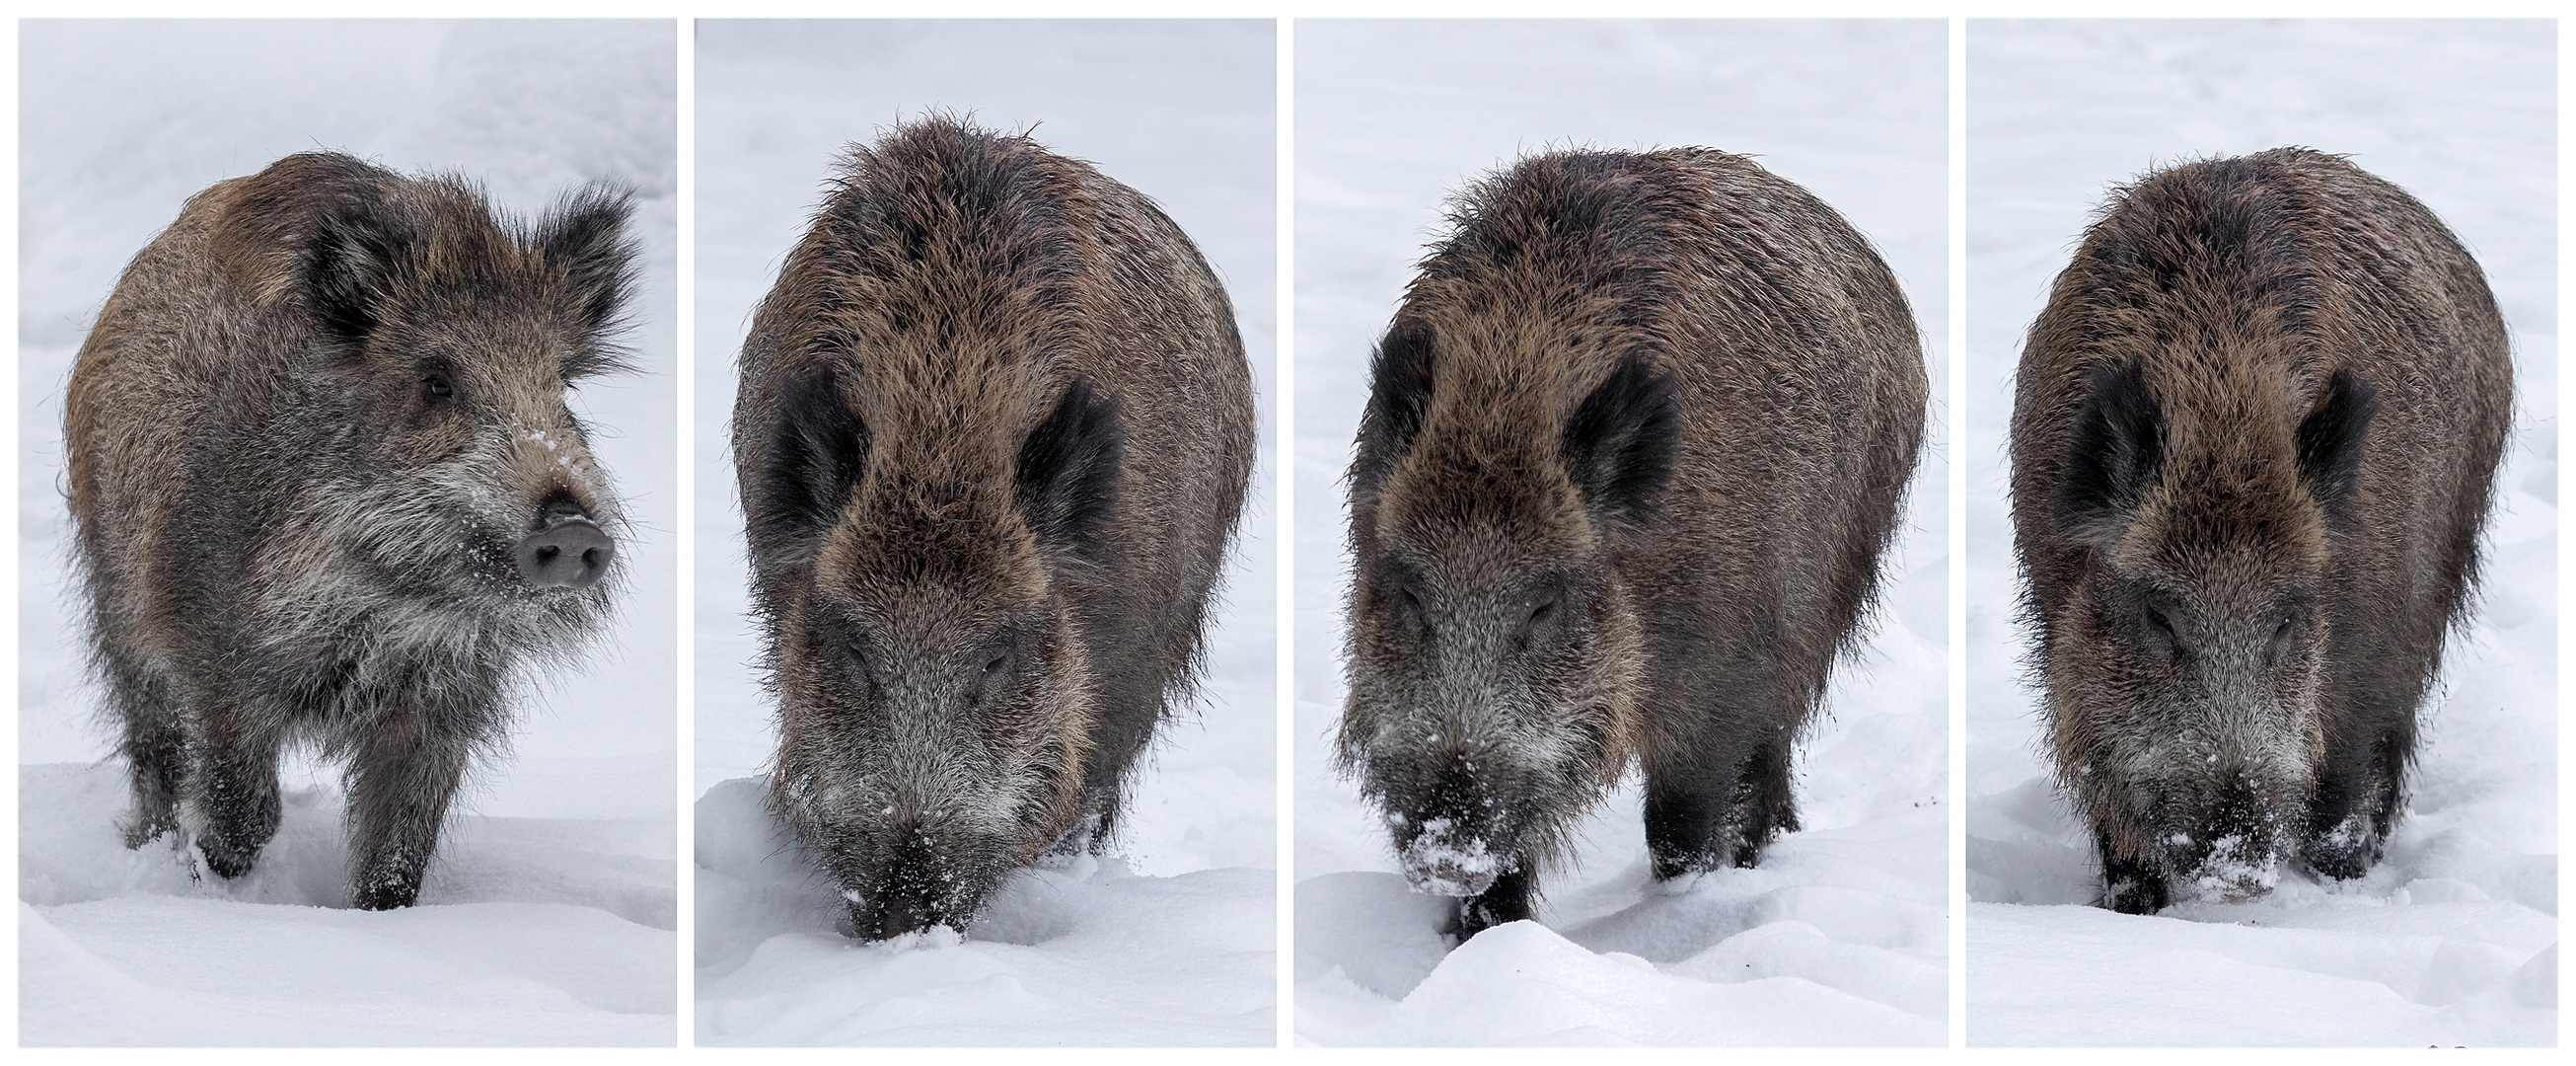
[903,914]
[569,553]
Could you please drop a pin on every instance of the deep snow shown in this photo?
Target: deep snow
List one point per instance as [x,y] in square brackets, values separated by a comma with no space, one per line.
[551,914]
[1840,935]
[1172,943]
[2451,939]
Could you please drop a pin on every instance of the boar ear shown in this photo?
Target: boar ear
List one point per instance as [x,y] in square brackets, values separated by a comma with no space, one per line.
[817,450]
[1069,470]
[583,242]
[1619,444]
[359,240]
[2330,444]
[1399,399]
[2117,444]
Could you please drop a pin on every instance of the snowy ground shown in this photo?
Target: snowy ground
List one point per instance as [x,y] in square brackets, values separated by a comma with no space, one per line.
[1840,936]
[551,915]
[2452,939]
[1173,944]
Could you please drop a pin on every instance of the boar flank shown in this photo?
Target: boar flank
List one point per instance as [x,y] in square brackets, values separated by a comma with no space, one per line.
[993,430]
[2252,438]
[1634,444]
[326,489]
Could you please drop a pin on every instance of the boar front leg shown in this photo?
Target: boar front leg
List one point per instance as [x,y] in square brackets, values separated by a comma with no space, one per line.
[2130,885]
[1506,900]
[1716,809]
[405,773]
[2358,791]
[155,745]
[236,785]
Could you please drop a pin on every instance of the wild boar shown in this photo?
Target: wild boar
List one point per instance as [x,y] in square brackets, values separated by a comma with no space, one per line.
[2252,439]
[326,488]
[1634,444]
[993,431]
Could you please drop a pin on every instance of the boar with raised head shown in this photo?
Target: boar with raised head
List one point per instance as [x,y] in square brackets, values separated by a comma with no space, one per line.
[2251,442]
[327,489]
[1634,444]
[993,431]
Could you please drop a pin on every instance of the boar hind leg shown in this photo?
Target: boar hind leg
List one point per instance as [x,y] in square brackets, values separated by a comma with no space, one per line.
[1506,900]
[155,745]
[236,790]
[2130,886]
[1697,820]
[400,784]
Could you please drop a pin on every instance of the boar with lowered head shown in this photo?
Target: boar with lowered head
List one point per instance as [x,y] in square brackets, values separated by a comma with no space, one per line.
[327,489]
[1633,446]
[2251,443]
[993,430]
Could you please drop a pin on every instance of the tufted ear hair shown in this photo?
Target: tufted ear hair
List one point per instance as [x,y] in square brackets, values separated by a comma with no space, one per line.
[1068,476]
[1619,443]
[359,246]
[2331,441]
[583,243]
[1399,400]
[818,448]
[2115,450]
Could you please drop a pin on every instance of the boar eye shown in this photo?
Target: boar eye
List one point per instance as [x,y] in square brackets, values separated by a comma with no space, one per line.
[996,666]
[1539,617]
[2166,625]
[2283,629]
[437,387]
[1408,608]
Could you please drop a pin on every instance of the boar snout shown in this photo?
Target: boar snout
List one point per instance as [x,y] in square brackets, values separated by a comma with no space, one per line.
[570,552]
[911,897]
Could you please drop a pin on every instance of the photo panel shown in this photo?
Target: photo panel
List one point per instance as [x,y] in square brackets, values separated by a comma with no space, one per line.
[2263,376]
[1639,329]
[985,690]
[347,704]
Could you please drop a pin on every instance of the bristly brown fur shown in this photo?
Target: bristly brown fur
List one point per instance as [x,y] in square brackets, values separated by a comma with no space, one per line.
[2302,384]
[994,411]
[284,530]
[1638,437]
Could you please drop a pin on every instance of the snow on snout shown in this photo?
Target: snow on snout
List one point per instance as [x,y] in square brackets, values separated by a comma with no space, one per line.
[1441,864]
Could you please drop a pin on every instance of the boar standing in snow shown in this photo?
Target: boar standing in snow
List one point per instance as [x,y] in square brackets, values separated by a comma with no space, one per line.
[326,488]
[993,431]
[1634,444]
[2251,446]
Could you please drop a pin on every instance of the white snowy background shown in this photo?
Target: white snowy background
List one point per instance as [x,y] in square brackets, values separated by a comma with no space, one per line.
[2452,939]
[1840,935]
[550,916]
[1172,944]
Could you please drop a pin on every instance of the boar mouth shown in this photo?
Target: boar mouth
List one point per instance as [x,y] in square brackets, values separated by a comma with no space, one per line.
[1441,861]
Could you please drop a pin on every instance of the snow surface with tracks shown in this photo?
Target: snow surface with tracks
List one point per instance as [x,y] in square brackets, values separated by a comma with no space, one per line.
[2452,939]
[1171,942]
[1840,935]
[551,913]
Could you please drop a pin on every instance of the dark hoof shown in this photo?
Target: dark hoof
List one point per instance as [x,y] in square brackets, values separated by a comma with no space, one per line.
[229,863]
[385,891]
